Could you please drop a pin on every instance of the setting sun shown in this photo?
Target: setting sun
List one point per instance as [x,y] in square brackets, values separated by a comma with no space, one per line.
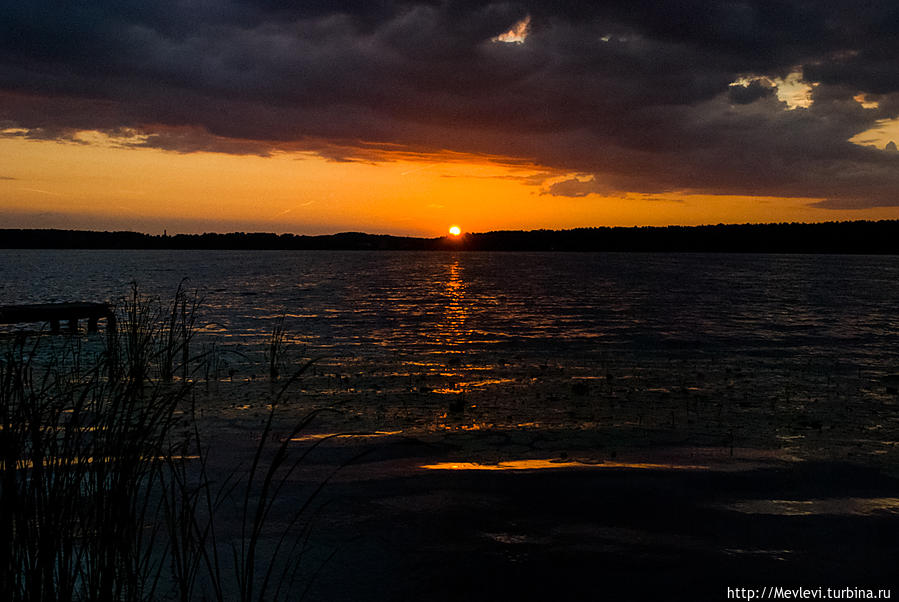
[455,230]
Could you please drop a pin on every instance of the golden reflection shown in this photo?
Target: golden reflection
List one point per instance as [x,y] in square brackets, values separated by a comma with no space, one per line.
[452,329]
[68,427]
[442,425]
[538,464]
[858,506]
[62,462]
[319,436]
[455,388]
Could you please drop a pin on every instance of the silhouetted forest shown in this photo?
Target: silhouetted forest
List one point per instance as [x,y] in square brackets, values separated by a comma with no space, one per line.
[831,237]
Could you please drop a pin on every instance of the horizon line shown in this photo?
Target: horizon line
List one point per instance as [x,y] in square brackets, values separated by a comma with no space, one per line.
[463,233]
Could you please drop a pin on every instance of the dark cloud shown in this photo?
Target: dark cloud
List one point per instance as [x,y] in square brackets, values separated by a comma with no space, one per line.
[855,204]
[634,96]
[574,187]
[756,90]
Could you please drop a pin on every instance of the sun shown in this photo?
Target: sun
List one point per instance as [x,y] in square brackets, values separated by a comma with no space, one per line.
[455,230]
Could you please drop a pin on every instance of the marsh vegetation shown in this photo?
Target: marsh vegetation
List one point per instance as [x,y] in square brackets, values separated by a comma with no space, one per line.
[105,486]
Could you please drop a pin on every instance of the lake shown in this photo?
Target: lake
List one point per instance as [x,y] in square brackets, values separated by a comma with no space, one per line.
[780,351]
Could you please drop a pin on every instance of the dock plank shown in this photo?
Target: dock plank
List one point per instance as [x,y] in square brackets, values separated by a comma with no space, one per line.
[54,313]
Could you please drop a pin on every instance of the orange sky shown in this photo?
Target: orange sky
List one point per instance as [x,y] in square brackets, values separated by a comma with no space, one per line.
[97,184]
[405,118]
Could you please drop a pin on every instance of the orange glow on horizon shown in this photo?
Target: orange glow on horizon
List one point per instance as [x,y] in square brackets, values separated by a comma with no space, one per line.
[100,185]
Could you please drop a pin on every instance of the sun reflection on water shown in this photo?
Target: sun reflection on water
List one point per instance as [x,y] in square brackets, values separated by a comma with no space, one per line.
[451,330]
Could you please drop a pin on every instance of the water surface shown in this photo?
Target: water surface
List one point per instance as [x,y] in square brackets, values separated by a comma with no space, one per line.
[790,349]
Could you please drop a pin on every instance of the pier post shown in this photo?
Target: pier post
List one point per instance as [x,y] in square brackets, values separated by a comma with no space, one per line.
[56,313]
[112,348]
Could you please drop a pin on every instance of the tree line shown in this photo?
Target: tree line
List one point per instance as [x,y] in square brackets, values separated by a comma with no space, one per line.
[866,237]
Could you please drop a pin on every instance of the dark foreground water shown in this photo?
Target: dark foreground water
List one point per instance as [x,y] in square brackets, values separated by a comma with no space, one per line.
[773,349]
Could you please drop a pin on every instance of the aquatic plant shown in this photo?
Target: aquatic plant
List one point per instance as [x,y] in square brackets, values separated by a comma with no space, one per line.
[276,346]
[177,332]
[81,445]
[106,490]
[245,566]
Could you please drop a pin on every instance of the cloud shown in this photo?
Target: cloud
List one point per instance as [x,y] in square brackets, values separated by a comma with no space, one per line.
[636,96]
[855,204]
[517,35]
[576,187]
[751,92]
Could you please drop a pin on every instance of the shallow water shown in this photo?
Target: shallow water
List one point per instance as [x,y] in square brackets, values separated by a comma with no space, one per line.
[788,351]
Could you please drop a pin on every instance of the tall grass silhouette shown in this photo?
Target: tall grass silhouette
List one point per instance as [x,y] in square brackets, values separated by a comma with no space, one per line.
[106,491]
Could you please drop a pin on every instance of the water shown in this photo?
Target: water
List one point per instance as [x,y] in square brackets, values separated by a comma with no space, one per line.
[783,349]
[544,303]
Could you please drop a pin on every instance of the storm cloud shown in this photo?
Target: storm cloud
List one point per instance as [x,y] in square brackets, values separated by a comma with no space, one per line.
[632,96]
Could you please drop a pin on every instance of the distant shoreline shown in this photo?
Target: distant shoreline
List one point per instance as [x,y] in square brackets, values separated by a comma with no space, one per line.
[857,237]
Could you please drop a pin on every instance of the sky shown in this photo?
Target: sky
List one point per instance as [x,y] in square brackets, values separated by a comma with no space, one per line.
[408,117]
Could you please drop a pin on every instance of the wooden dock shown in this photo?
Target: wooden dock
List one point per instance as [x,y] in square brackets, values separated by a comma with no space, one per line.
[55,313]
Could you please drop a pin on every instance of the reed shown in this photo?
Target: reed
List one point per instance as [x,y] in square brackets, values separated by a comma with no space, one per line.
[276,347]
[213,559]
[81,444]
[177,332]
[106,491]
